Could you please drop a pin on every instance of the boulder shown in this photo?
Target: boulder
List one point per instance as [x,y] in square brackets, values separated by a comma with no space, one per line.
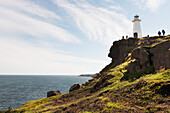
[134,67]
[142,61]
[53,93]
[135,53]
[144,57]
[161,55]
[74,87]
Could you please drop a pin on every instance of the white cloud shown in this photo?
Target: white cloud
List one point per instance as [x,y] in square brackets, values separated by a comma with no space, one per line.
[28,7]
[97,23]
[14,23]
[153,5]
[20,57]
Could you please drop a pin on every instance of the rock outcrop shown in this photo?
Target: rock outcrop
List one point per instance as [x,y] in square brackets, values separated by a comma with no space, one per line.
[101,83]
[53,93]
[142,61]
[161,55]
[146,52]
[120,49]
[74,87]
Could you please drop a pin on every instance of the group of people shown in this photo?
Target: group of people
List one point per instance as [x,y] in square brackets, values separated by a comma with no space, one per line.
[163,32]
[124,37]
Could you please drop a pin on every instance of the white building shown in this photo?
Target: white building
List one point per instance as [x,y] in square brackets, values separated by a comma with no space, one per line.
[137,33]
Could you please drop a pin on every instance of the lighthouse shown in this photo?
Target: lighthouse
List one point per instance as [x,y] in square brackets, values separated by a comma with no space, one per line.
[137,33]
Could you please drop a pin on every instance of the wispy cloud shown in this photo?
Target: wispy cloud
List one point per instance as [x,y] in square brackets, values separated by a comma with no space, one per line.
[153,5]
[13,22]
[24,6]
[97,23]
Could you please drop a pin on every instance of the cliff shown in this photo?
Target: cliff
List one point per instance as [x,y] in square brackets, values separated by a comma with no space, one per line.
[137,80]
[146,52]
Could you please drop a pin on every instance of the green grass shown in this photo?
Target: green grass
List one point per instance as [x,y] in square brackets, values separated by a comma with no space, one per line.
[165,39]
[110,107]
[137,75]
[36,104]
[160,76]
[115,105]
[86,112]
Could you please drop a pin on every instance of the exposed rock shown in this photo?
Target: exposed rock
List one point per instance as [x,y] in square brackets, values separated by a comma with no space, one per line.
[74,87]
[149,52]
[161,55]
[101,83]
[53,93]
[142,60]
[135,53]
[120,49]
[87,83]
[134,66]
[168,59]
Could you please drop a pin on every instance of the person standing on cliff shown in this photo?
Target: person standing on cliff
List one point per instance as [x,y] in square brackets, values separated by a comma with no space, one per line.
[123,37]
[159,33]
[163,32]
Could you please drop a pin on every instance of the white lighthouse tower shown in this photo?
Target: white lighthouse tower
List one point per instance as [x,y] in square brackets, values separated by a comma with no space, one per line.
[137,33]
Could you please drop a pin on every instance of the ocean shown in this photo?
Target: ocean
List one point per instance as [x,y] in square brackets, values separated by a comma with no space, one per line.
[16,90]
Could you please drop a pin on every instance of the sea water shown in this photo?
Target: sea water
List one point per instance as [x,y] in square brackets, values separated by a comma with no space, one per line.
[16,90]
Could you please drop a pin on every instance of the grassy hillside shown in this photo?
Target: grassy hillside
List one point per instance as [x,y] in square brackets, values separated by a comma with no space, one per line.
[147,94]
[114,89]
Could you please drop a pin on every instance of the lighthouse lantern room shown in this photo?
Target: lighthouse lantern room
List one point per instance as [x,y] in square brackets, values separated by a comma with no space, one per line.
[137,33]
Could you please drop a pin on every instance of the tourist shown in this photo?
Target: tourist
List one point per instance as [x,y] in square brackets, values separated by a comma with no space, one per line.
[159,33]
[163,32]
[123,37]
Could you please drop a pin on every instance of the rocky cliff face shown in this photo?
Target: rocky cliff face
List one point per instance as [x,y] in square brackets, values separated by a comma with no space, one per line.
[146,52]
[160,55]
[120,49]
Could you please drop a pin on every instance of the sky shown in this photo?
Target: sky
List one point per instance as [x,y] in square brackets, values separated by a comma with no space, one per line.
[70,37]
